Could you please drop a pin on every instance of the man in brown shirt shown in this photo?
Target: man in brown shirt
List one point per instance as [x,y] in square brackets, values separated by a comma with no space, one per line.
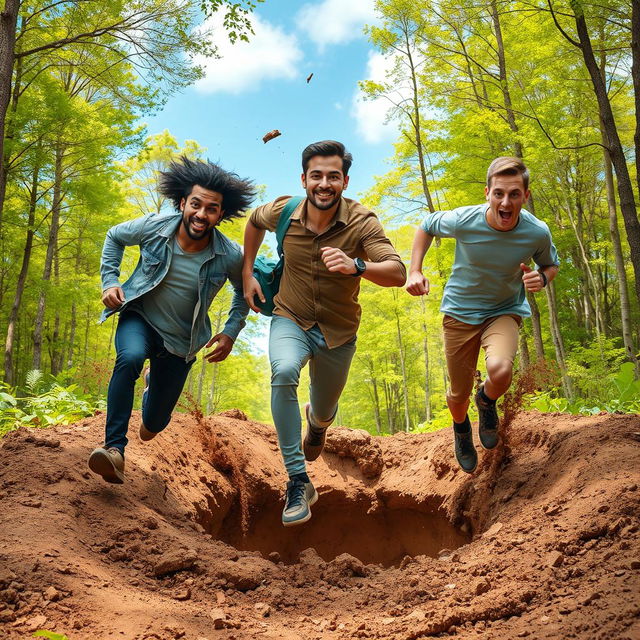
[331,243]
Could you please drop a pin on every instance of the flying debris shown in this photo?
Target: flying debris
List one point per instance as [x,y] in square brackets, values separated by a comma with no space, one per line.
[309,78]
[270,136]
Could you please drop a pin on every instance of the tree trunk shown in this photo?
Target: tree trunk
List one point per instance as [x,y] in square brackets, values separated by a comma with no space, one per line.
[504,84]
[425,352]
[614,231]
[614,145]
[52,248]
[8,22]
[86,336]
[72,337]
[403,370]
[635,75]
[22,278]
[415,103]
[525,358]
[567,385]
[376,406]
[203,370]
[536,326]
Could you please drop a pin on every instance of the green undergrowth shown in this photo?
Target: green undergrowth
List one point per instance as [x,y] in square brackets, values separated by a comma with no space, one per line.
[41,633]
[44,401]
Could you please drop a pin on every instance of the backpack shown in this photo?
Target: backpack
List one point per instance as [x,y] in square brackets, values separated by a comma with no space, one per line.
[268,271]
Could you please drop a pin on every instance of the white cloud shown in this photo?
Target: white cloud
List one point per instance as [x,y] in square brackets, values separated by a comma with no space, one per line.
[270,53]
[335,21]
[370,115]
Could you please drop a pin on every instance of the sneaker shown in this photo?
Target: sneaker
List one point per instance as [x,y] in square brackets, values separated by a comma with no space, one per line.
[466,454]
[144,433]
[488,422]
[300,496]
[108,463]
[314,438]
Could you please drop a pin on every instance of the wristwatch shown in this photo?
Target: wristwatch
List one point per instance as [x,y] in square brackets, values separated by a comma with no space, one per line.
[544,278]
[361,267]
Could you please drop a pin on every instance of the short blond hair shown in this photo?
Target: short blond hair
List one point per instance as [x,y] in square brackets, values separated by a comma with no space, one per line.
[508,166]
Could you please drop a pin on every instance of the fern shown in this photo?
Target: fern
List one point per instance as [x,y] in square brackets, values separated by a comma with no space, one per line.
[33,379]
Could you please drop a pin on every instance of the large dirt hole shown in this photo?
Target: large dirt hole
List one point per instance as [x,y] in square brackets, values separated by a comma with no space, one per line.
[384,536]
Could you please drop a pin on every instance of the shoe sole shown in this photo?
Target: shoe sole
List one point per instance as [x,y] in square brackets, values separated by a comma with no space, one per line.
[488,448]
[101,464]
[293,523]
[465,470]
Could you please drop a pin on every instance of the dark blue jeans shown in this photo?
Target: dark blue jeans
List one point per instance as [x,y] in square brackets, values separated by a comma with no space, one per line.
[136,341]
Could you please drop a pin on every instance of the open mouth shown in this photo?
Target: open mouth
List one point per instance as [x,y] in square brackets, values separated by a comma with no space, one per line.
[504,215]
[198,227]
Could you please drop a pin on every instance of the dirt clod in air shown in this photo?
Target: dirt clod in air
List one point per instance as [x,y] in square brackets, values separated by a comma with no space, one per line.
[541,542]
[270,135]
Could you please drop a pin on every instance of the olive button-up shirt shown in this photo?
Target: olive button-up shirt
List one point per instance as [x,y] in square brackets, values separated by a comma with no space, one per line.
[309,293]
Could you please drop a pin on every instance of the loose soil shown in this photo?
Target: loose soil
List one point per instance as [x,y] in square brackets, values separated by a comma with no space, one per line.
[541,542]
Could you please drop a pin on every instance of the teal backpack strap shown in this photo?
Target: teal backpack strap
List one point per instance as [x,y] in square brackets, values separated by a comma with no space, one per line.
[284,220]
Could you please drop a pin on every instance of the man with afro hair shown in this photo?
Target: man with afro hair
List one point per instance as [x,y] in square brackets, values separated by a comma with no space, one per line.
[184,262]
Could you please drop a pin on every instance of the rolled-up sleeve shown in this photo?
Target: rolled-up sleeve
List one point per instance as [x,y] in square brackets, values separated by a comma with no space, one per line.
[376,243]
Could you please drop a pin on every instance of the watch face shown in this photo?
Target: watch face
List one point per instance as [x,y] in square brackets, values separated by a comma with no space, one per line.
[360,265]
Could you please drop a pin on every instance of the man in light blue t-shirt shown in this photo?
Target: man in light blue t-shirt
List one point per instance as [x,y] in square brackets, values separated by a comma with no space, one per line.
[184,262]
[484,300]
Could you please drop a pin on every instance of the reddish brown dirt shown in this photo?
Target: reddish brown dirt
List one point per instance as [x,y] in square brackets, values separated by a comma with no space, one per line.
[542,542]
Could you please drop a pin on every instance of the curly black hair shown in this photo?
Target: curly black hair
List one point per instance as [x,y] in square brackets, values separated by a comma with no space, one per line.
[182,175]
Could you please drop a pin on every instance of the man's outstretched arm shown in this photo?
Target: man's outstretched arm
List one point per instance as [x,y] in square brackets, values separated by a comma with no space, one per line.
[417,284]
[386,273]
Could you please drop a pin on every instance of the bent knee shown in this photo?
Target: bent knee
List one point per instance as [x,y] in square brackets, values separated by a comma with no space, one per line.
[500,370]
[131,358]
[285,372]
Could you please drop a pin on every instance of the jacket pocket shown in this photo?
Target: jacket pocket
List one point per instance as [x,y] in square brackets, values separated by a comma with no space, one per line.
[214,283]
[150,262]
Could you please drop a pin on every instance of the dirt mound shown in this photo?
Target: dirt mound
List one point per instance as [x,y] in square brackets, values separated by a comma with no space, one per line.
[542,542]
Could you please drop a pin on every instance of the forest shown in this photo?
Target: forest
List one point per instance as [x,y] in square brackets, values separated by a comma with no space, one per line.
[556,83]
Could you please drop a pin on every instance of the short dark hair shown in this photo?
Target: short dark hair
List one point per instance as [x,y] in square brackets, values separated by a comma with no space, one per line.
[183,174]
[327,148]
[508,166]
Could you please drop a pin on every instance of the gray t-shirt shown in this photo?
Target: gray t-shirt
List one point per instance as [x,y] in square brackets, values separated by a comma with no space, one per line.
[486,279]
[169,307]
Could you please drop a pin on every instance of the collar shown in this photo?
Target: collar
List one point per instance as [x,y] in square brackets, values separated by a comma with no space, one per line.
[341,215]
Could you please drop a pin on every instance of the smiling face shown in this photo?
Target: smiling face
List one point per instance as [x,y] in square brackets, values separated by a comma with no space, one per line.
[201,211]
[506,196]
[324,181]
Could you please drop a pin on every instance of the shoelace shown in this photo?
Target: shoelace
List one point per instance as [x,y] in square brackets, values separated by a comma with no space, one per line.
[294,494]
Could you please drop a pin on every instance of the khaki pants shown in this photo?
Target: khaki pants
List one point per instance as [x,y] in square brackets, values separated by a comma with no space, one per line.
[498,337]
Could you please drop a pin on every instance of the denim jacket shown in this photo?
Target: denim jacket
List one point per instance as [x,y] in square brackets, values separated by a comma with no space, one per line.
[154,235]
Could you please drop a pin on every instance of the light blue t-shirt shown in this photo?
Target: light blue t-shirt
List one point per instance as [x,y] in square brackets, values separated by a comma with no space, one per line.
[486,279]
[170,306]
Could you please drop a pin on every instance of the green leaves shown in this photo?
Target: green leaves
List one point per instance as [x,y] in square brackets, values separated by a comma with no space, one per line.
[49,634]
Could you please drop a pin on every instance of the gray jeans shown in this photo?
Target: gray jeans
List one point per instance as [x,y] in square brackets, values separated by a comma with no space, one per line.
[290,348]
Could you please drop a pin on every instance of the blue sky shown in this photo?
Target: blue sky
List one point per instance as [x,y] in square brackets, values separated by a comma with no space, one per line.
[260,86]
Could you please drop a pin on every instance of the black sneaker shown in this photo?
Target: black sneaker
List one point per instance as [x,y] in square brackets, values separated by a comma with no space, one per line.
[314,438]
[488,422]
[466,454]
[300,496]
